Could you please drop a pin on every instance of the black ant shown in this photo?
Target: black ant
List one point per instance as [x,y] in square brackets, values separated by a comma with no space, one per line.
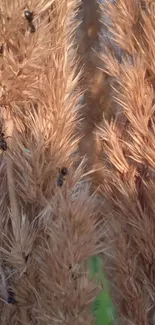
[11,297]
[63,172]
[1,50]
[29,17]
[73,275]
[3,144]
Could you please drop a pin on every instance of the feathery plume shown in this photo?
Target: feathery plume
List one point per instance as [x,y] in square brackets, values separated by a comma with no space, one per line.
[128,158]
[50,225]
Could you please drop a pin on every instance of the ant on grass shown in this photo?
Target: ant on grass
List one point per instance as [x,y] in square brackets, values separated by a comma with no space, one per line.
[11,297]
[3,143]
[63,172]
[29,17]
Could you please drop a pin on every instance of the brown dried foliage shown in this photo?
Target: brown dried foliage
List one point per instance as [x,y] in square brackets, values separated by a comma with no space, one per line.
[128,177]
[47,233]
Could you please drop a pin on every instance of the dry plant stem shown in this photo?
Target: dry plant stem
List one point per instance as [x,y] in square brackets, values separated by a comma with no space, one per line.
[15,213]
[93,78]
